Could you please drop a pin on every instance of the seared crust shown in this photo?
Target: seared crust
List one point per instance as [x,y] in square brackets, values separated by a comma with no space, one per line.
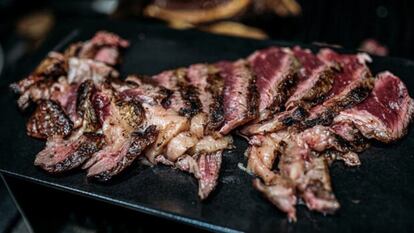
[48,120]
[354,96]
[60,155]
[139,141]
[216,114]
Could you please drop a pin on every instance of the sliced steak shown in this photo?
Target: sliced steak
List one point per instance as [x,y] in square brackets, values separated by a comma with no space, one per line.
[62,155]
[103,47]
[385,114]
[171,79]
[119,120]
[209,167]
[240,98]
[37,86]
[183,97]
[315,80]
[352,84]
[48,120]
[275,70]
[205,167]
[109,166]
[53,66]
[321,138]
[86,114]
[142,89]
[198,76]
[210,86]
[184,100]
[169,123]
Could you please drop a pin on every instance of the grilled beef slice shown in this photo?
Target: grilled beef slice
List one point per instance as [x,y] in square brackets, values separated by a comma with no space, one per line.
[210,85]
[109,166]
[240,97]
[182,96]
[205,167]
[65,154]
[352,83]
[62,154]
[48,120]
[315,80]
[275,70]
[385,114]
[119,121]
[37,85]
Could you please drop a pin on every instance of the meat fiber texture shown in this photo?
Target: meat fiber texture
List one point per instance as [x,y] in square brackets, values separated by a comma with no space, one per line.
[299,111]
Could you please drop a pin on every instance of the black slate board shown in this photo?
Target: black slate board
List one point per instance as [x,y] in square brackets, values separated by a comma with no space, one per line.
[375,197]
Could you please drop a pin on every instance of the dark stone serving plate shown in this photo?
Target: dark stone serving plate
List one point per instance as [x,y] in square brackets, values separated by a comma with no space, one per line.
[378,196]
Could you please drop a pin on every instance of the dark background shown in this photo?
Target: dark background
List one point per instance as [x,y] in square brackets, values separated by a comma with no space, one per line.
[340,22]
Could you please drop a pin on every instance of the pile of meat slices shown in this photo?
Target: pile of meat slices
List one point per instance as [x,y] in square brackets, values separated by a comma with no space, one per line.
[299,112]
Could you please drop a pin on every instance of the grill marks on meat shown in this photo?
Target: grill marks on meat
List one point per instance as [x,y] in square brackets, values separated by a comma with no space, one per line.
[276,72]
[66,88]
[48,120]
[385,114]
[315,80]
[352,84]
[62,155]
[182,97]
[108,166]
[321,138]
[180,117]
[195,147]
[51,67]
[191,102]
[80,62]
[142,89]
[240,97]
[210,86]
[120,120]
[216,108]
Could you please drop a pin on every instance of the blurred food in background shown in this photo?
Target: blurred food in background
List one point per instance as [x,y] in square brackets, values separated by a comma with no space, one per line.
[35,26]
[345,23]
[235,29]
[373,47]
[210,15]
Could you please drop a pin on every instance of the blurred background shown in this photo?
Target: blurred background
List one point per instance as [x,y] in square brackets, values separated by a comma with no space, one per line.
[380,27]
